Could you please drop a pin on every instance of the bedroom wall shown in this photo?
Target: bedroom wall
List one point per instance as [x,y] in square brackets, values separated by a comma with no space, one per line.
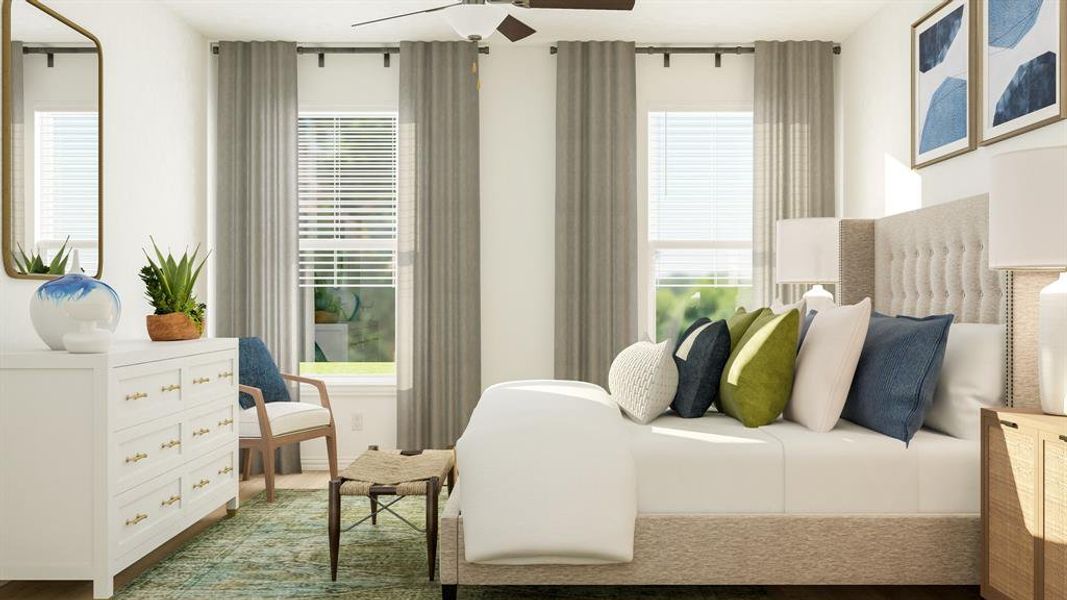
[876,99]
[154,140]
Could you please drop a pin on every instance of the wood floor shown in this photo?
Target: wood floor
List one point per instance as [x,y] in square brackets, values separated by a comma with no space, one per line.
[83,590]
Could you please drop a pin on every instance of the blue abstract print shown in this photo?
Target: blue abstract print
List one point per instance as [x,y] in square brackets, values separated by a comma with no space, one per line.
[946,120]
[1032,88]
[935,41]
[1011,20]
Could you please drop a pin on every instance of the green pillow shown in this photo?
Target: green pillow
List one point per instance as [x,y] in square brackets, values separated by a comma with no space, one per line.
[739,323]
[758,377]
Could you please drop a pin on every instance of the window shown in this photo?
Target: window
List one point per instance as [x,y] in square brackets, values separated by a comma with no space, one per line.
[66,183]
[700,180]
[347,185]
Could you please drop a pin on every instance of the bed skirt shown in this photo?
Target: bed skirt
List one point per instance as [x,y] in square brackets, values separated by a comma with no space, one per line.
[754,549]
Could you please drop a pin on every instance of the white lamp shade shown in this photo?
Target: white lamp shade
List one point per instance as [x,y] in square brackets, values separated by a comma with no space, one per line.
[1028,209]
[806,251]
[475,21]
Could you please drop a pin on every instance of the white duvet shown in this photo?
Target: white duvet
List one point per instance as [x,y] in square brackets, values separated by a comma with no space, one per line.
[548,476]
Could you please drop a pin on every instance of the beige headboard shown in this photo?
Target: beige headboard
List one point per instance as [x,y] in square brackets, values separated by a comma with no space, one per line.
[934,261]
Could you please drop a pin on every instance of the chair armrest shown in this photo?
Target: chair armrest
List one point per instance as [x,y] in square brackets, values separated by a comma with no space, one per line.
[320,385]
[261,409]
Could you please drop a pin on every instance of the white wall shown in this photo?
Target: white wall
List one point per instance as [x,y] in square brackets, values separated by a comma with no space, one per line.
[877,120]
[154,141]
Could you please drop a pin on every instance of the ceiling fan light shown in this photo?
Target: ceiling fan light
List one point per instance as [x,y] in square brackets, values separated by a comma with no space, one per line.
[475,21]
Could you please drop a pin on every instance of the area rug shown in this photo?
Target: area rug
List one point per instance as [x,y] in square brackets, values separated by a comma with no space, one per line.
[280,550]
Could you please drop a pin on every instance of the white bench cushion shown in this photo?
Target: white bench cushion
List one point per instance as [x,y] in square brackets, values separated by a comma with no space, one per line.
[285,417]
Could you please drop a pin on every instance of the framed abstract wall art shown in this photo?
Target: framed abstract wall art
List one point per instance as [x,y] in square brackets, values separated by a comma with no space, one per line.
[944,94]
[1024,80]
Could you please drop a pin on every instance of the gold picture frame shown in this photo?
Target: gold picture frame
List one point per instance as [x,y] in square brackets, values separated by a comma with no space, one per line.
[6,105]
[983,7]
[969,142]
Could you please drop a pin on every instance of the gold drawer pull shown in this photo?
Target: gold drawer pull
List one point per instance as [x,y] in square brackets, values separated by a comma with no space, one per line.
[170,444]
[225,422]
[225,470]
[136,457]
[136,395]
[170,500]
[226,374]
[201,431]
[170,388]
[202,380]
[137,519]
[201,483]
[1009,424]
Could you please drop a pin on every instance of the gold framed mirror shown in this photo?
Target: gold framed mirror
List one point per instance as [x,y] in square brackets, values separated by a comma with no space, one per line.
[52,131]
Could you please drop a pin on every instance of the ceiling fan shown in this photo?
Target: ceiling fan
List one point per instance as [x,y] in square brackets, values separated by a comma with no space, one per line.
[478,19]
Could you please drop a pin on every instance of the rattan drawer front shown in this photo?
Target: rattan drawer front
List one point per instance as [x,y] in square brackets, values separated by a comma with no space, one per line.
[1011,509]
[1055,539]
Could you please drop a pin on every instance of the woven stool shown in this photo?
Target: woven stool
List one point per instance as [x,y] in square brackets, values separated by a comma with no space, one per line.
[392,473]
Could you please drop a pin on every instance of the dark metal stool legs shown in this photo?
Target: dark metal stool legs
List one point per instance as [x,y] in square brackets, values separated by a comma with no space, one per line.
[335,525]
[433,490]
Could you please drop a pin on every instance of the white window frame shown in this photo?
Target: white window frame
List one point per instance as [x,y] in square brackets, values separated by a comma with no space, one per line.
[647,249]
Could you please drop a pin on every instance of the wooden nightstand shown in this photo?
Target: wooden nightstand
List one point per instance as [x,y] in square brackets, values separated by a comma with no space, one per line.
[1024,505]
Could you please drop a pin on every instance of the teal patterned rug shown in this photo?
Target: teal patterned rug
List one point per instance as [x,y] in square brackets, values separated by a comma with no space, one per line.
[280,550]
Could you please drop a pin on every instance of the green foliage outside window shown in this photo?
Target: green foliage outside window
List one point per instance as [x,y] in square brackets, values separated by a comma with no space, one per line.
[677,307]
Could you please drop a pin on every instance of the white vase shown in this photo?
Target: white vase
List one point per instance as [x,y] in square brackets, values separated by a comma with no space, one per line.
[88,339]
[51,307]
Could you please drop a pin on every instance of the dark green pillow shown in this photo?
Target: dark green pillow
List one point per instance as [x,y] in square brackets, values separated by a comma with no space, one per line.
[758,378]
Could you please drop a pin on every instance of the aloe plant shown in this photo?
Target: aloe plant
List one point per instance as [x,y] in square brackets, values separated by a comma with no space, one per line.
[169,283]
[34,264]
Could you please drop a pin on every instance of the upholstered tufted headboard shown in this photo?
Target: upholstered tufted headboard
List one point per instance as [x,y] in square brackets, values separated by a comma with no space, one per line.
[924,262]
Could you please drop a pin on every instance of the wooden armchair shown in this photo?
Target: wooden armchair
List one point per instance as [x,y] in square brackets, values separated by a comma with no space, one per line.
[281,423]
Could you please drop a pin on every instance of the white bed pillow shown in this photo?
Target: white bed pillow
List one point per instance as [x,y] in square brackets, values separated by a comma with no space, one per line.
[826,364]
[972,377]
[643,379]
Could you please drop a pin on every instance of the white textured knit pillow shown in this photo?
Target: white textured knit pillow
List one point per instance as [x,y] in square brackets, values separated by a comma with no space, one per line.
[826,364]
[643,379]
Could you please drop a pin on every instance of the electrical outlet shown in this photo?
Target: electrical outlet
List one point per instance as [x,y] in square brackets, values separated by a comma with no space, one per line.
[357,422]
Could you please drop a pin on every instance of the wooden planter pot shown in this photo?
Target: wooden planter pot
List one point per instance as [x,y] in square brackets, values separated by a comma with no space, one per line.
[171,327]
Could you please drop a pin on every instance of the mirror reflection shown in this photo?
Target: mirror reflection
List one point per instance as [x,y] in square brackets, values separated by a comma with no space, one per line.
[54,145]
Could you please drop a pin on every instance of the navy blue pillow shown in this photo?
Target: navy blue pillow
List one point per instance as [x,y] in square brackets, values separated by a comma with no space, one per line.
[701,356]
[805,326]
[257,369]
[897,374]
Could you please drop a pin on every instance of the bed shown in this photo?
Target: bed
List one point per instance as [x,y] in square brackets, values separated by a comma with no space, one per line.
[718,504]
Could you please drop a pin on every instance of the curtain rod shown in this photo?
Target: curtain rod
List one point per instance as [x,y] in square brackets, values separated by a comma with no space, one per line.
[58,50]
[349,49]
[696,49]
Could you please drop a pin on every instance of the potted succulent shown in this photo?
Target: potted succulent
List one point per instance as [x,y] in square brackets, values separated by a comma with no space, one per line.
[33,263]
[169,286]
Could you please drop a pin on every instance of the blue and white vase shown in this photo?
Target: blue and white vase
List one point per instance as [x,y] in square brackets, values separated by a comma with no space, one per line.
[57,303]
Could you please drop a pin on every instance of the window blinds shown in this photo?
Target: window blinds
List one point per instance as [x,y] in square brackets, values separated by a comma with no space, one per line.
[67,184]
[700,183]
[347,184]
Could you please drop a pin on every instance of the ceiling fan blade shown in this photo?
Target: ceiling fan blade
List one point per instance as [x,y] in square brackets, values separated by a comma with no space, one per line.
[514,29]
[417,12]
[581,4]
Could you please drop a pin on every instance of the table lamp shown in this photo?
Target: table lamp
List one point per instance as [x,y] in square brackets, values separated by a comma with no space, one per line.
[807,253]
[1028,231]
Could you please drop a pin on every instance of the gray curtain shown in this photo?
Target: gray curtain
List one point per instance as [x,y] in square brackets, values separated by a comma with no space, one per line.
[596,207]
[18,150]
[794,147]
[439,287]
[256,205]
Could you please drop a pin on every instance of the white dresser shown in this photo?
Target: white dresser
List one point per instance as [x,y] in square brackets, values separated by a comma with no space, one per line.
[103,457]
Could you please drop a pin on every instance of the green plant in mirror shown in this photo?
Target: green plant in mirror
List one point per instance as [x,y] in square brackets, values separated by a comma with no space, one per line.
[169,283]
[33,263]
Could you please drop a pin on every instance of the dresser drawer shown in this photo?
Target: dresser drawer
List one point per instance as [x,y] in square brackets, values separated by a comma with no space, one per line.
[145,509]
[145,392]
[146,451]
[211,376]
[208,429]
[211,474]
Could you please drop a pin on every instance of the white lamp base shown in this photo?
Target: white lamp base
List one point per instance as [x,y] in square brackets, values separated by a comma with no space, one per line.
[1052,347]
[818,299]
